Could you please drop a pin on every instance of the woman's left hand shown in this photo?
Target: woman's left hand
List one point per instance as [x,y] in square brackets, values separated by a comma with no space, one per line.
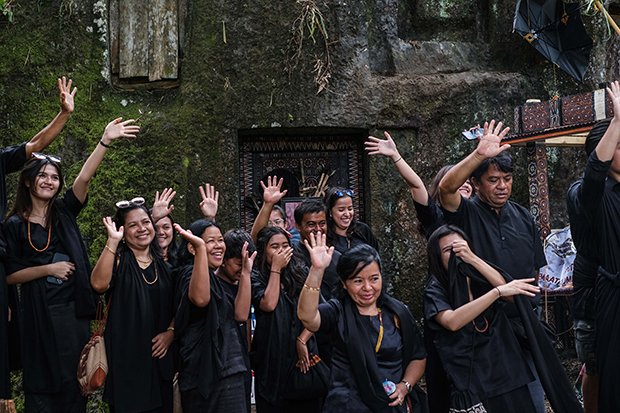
[116,129]
[191,238]
[302,353]
[248,260]
[161,343]
[320,253]
[462,250]
[399,394]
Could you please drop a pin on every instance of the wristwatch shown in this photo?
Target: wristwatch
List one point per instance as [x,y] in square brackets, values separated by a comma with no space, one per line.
[408,386]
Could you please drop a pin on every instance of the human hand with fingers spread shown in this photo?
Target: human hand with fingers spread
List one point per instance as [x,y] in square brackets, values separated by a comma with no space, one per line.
[320,253]
[209,202]
[281,259]
[161,206]
[272,193]
[387,147]
[520,286]
[490,144]
[119,128]
[66,95]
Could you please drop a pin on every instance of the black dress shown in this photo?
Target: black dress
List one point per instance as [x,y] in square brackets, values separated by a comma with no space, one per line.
[56,317]
[141,307]
[345,393]
[11,160]
[214,367]
[274,352]
[361,235]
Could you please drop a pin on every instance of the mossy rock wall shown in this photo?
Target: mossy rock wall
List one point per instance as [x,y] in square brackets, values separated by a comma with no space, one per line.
[422,70]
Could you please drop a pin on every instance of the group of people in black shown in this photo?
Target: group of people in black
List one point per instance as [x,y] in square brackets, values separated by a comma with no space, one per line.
[179,315]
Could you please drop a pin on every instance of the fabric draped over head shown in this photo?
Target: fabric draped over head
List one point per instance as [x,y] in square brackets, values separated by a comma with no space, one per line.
[558,388]
[364,359]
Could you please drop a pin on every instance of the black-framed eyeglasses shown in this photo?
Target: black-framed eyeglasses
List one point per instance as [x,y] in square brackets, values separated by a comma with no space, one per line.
[137,201]
[346,192]
[42,156]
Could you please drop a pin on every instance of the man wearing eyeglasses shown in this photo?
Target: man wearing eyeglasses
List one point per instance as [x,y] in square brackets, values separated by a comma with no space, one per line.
[12,159]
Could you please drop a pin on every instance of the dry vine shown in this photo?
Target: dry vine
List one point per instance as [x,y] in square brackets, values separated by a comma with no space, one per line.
[312,19]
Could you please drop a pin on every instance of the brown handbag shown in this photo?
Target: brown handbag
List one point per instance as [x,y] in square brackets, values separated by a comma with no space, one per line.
[93,366]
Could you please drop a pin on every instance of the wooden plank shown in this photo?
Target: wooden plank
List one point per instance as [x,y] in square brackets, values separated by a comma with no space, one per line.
[114,36]
[133,45]
[163,40]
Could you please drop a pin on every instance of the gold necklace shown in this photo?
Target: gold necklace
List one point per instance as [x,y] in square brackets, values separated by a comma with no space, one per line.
[152,282]
[49,236]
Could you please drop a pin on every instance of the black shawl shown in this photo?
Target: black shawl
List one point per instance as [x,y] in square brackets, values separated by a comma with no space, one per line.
[558,387]
[210,360]
[129,331]
[364,359]
[38,338]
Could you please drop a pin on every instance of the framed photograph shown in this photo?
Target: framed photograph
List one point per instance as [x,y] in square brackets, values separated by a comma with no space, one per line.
[289,205]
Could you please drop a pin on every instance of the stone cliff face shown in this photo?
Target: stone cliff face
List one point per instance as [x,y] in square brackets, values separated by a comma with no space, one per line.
[421,70]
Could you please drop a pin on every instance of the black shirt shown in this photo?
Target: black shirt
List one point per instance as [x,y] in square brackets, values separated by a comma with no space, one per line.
[586,261]
[361,235]
[599,196]
[430,216]
[330,277]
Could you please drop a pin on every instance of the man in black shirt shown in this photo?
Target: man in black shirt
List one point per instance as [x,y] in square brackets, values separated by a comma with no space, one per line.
[599,197]
[584,279]
[11,160]
[502,232]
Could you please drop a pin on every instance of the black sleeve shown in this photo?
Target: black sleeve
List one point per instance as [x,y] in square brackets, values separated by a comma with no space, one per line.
[435,301]
[13,158]
[72,204]
[419,352]
[591,191]
[430,216]
[330,312]
[456,217]
[259,285]
[12,234]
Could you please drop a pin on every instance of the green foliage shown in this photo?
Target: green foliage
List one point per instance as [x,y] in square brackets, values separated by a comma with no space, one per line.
[5,6]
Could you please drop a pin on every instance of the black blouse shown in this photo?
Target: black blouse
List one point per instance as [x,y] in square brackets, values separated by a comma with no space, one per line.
[361,235]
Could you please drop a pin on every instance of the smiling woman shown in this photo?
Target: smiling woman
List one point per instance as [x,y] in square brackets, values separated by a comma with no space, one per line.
[47,256]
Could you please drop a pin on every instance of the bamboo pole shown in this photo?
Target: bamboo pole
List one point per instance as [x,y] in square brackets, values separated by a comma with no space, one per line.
[611,21]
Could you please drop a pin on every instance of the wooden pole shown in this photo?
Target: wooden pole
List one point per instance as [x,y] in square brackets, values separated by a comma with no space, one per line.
[611,21]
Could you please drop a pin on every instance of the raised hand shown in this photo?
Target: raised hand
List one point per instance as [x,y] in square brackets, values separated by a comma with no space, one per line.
[490,144]
[281,259]
[66,95]
[161,206]
[116,129]
[521,286]
[271,192]
[320,253]
[614,93]
[248,260]
[209,202]
[377,146]
[191,238]
[113,233]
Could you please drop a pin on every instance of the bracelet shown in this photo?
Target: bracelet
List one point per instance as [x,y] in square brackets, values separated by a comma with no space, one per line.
[306,286]
[301,341]
[398,160]
[103,144]
[110,249]
[500,293]
[275,272]
[170,329]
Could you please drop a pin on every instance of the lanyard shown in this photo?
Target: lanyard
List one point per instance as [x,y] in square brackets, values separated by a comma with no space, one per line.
[380,338]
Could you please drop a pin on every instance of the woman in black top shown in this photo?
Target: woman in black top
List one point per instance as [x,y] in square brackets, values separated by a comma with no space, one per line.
[140,326]
[344,231]
[213,355]
[476,344]
[379,354]
[277,279]
[46,254]
[164,226]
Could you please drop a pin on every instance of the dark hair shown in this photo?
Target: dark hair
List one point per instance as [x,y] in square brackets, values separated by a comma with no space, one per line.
[234,240]
[354,260]
[280,211]
[173,247]
[596,134]
[120,218]
[331,197]
[308,206]
[433,190]
[503,162]
[435,263]
[22,207]
[293,275]
[197,228]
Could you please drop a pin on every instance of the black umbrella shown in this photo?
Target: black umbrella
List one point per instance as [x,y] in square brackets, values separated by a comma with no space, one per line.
[555,29]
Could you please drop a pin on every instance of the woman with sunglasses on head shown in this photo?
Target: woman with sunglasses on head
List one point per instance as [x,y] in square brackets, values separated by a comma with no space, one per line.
[140,327]
[280,340]
[212,348]
[378,354]
[47,256]
[344,231]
